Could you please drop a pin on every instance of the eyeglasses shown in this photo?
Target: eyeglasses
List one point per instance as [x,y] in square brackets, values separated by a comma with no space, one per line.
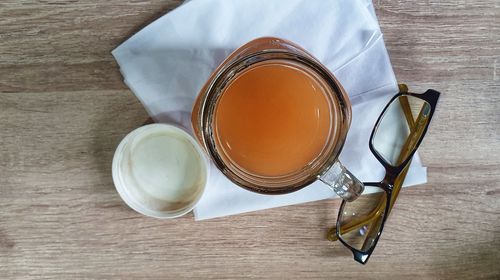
[396,136]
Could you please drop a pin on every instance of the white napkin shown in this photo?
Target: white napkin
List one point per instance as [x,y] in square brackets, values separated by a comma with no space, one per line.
[167,63]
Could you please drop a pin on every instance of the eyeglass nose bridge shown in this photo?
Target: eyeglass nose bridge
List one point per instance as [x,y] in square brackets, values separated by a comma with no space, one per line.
[388,182]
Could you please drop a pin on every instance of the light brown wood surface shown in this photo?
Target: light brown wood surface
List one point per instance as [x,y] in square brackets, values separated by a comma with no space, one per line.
[64,108]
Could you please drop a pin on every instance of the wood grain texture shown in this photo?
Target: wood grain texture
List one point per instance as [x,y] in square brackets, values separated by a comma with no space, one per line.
[64,108]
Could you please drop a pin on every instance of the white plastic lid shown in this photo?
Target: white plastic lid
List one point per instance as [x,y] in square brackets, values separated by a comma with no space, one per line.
[160,171]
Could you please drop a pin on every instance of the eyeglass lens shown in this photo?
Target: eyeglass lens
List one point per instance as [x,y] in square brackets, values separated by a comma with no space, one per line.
[400,128]
[360,220]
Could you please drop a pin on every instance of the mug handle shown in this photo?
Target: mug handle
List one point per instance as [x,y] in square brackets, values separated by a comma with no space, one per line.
[342,182]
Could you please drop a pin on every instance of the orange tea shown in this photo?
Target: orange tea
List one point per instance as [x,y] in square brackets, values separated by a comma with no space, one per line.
[273,119]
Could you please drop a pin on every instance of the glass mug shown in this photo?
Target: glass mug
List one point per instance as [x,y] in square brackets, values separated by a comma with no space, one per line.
[274,119]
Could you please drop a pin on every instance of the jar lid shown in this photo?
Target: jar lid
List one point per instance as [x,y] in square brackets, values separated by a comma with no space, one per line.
[160,171]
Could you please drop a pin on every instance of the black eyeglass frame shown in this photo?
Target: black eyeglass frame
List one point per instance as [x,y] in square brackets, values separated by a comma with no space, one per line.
[391,172]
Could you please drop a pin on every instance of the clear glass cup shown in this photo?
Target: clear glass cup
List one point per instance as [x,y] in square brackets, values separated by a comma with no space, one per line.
[325,167]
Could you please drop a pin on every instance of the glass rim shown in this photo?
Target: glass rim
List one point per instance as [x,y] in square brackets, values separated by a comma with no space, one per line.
[288,183]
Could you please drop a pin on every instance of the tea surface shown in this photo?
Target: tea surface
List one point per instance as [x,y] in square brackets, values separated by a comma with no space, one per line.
[272,119]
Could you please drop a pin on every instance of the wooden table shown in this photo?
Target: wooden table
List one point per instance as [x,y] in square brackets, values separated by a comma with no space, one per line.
[64,108]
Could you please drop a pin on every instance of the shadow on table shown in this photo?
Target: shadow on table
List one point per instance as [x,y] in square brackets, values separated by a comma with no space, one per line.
[122,114]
